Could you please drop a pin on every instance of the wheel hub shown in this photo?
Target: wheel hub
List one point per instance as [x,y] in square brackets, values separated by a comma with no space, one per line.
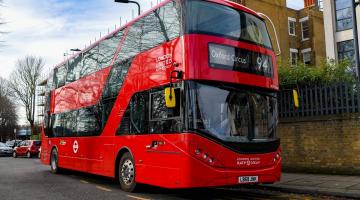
[53,162]
[127,172]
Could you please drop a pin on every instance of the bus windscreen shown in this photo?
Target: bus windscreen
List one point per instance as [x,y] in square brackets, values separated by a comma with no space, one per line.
[215,19]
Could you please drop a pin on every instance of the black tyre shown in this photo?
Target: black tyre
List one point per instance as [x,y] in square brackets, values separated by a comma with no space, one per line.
[127,173]
[54,160]
[14,154]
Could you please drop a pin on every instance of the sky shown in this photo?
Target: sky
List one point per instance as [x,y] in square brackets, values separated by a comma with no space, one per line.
[50,28]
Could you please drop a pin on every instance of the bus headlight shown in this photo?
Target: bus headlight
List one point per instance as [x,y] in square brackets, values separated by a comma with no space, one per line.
[277,156]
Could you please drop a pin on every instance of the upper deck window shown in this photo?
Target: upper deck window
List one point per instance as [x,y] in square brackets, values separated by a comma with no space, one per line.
[160,26]
[215,19]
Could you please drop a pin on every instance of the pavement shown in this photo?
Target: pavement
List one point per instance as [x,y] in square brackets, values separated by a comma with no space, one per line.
[332,185]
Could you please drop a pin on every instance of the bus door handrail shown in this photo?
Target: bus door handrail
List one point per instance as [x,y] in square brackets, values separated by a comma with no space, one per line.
[276,36]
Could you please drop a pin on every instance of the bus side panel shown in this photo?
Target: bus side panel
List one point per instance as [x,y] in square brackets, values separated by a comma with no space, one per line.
[156,166]
[174,164]
[45,152]
[108,164]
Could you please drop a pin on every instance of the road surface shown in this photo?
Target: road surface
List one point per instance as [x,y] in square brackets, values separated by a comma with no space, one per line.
[22,178]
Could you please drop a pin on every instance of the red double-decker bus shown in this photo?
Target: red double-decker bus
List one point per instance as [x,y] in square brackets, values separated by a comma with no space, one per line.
[183,96]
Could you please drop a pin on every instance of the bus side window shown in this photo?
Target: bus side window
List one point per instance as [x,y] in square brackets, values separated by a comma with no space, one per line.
[90,62]
[135,118]
[131,45]
[162,25]
[70,124]
[163,119]
[138,113]
[105,108]
[60,76]
[58,125]
[116,79]
[74,66]
[55,79]
[107,49]
[89,121]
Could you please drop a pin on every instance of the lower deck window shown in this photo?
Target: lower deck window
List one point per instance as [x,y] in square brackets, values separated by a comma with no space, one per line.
[147,113]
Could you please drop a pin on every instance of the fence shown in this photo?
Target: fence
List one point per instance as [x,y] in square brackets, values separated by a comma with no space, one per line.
[320,100]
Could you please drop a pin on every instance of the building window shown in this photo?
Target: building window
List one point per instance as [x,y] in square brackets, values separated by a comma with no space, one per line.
[292,26]
[306,53]
[346,50]
[343,15]
[305,30]
[293,57]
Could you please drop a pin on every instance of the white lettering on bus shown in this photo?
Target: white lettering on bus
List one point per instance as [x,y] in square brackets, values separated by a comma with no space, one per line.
[163,62]
[229,57]
[248,161]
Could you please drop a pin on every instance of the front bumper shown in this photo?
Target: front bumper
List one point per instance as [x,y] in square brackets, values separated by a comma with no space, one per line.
[6,153]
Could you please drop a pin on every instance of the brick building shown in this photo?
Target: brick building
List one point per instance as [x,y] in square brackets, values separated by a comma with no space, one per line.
[301,32]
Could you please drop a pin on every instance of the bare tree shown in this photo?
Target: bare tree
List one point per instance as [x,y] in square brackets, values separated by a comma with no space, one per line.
[4,88]
[23,83]
[8,116]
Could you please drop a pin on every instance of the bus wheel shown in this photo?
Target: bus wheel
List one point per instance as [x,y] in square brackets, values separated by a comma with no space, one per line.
[28,154]
[127,173]
[54,162]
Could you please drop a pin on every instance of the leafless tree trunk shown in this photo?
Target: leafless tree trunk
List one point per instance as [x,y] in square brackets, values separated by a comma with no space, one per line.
[23,82]
[8,116]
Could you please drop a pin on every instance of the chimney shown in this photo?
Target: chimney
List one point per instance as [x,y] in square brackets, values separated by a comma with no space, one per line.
[309,3]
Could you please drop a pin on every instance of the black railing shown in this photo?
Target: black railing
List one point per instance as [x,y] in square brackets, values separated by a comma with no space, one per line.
[320,100]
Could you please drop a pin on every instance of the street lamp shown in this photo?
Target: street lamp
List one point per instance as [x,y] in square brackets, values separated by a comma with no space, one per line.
[66,53]
[127,1]
[356,39]
[77,49]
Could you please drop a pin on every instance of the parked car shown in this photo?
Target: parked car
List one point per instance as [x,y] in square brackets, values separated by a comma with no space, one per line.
[5,150]
[13,143]
[27,148]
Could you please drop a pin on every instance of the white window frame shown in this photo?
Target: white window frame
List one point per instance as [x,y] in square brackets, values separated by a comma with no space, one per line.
[297,56]
[290,19]
[302,28]
[305,51]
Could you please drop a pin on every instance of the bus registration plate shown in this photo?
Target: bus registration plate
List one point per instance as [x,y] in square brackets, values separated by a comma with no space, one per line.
[248,179]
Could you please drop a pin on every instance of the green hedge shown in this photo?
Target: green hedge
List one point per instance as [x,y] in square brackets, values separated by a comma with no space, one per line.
[35,137]
[328,72]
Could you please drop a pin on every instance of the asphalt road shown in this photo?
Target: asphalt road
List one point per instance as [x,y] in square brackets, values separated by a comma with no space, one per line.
[22,178]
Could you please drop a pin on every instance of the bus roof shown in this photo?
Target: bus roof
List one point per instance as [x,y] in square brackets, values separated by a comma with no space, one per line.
[223,2]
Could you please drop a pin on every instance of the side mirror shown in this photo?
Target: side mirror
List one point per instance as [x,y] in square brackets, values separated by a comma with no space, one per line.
[296,98]
[170,98]
[276,36]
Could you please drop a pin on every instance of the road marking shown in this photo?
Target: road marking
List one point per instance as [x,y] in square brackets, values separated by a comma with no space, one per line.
[103,188]
[135,197]
[83,181]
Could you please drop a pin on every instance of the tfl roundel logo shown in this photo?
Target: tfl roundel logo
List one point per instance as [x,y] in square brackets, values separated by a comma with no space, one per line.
[75,146]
